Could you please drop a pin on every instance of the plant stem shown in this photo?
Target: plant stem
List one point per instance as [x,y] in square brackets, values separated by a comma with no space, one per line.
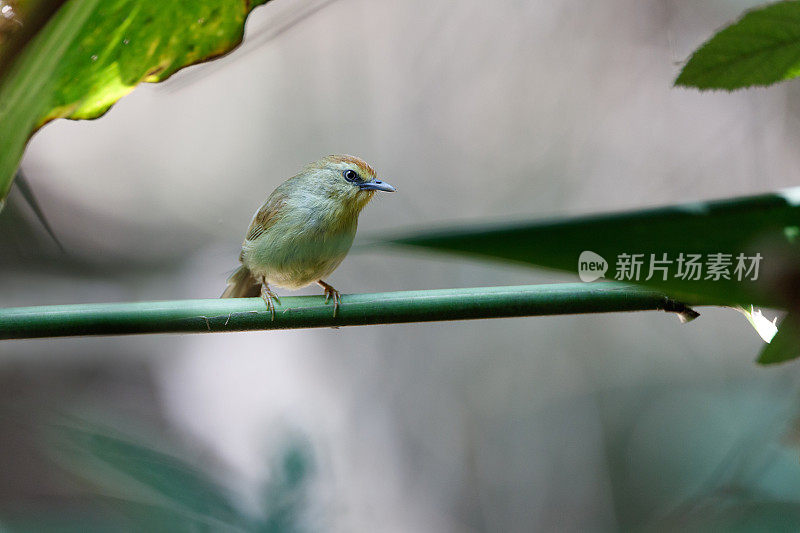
[242,314]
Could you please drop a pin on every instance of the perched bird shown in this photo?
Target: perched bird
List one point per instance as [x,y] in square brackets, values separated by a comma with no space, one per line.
[304,229]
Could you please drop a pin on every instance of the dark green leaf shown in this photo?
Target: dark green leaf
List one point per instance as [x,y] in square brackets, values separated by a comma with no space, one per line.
[762,48]
[765,225]
[735,515]
[182,486]
[285,495]
[92,52]
[101,514]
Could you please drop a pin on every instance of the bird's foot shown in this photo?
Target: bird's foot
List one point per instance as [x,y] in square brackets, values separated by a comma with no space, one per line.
[331,293]
[269,298]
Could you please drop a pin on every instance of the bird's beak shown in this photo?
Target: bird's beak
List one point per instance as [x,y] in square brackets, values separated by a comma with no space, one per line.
[376,185]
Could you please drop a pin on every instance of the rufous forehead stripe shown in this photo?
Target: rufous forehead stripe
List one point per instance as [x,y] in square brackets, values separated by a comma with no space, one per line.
[352,160]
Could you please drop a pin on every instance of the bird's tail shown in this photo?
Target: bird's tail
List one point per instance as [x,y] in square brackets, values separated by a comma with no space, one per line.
[242,284]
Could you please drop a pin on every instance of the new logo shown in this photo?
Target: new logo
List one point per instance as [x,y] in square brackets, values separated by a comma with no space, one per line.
[591,266]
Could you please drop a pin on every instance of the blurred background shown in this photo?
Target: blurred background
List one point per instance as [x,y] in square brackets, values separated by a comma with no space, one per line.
[475,111]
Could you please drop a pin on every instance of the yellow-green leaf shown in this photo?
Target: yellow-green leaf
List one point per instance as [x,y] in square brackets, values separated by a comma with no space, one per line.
[91,53]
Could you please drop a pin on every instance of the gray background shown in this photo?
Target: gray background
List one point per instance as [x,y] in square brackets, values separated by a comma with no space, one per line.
[475,111]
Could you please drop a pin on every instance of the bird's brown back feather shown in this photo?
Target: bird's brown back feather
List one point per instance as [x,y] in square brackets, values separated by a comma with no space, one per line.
[265,216]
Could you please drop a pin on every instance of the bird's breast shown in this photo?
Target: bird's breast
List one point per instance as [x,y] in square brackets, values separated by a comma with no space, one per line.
[300,249]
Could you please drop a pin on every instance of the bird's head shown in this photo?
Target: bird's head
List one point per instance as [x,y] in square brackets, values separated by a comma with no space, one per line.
[346,179]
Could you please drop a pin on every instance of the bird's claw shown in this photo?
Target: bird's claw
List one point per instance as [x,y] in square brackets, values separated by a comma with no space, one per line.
[331,293]
[269,298]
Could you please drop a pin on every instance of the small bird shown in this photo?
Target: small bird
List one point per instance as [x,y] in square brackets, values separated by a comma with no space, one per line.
[305,229]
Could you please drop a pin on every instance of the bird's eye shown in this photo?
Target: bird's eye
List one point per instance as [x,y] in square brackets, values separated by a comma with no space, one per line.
[351,175]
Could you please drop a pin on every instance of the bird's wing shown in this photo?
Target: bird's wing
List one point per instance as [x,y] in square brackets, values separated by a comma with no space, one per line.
[266,216]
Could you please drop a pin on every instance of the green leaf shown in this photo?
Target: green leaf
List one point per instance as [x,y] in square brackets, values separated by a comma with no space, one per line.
[91,53]
[785,345]
[285,494]
[177,497]
[761,48]
[111,461]
[734,513]
[765,225]
[101,514]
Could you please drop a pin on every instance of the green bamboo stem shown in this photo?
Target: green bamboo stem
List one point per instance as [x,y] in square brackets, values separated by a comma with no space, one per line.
[242,314]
